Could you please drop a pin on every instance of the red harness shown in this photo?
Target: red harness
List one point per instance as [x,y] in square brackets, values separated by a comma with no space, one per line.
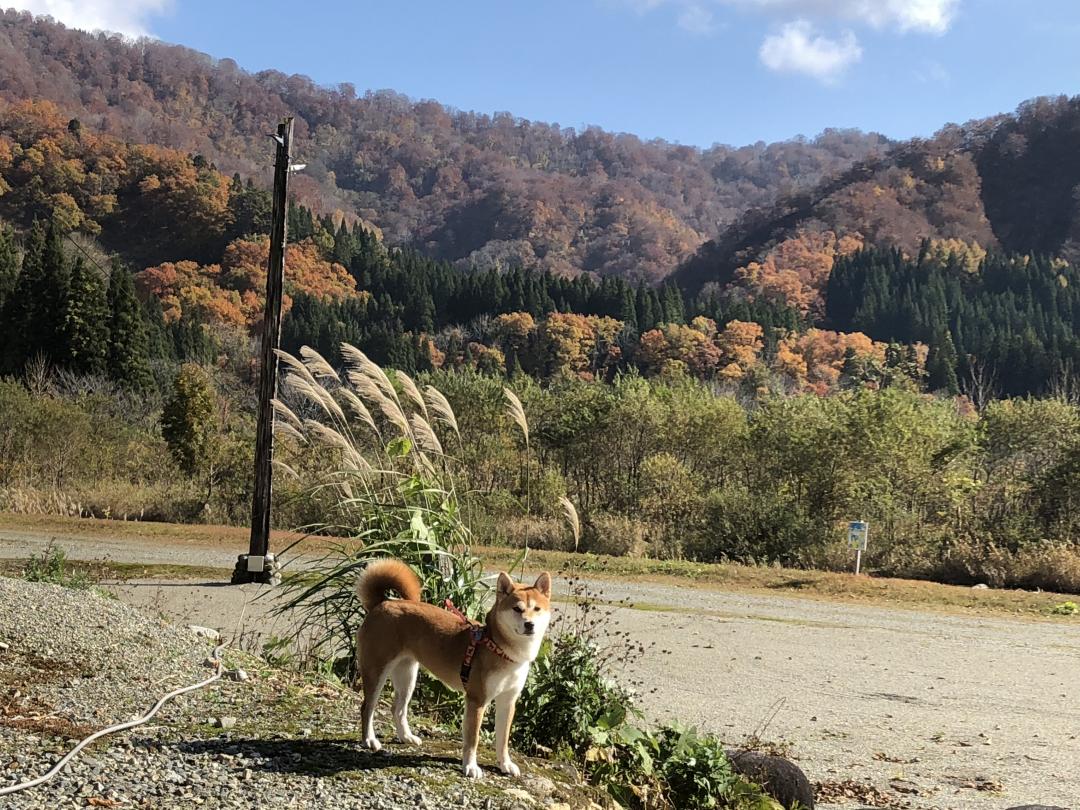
[478,634]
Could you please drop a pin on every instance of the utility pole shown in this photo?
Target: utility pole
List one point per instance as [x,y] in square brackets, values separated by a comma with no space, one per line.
[259,565]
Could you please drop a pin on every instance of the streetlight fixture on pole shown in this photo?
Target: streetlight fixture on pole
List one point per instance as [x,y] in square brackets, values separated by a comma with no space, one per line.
[259,565]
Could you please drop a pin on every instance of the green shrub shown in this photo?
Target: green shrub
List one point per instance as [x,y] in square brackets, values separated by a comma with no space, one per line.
[51,567]
[567,700]
[696,773]
[187,421]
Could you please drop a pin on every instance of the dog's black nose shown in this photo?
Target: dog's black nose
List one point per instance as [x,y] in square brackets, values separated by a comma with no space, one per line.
[529,627]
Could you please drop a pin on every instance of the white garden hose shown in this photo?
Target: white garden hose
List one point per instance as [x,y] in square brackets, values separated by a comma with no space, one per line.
[138,721]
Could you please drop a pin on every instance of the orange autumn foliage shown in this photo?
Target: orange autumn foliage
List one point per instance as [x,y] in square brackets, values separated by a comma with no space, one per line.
[577,345]
[674,346]
[795,272]
[815,359]
[159,199]
[232,293]
[740,345]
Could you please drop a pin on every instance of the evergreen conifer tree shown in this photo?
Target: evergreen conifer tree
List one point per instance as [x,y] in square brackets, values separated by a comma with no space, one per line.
[35,315]
[128,357]
[9,266]
[86,321]
[941,365]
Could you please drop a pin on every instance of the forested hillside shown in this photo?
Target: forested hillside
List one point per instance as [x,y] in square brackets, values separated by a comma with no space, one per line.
[1005,183]
[490,190]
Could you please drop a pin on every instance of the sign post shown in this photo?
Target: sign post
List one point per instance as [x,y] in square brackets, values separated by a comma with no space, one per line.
[858,534]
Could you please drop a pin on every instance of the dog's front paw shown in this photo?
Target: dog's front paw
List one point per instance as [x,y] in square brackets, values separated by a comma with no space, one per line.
[509,768]
[410,738]
[472,770]
[372,743]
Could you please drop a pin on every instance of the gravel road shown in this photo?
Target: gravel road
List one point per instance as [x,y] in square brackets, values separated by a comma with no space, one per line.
[273,739]
[915,710]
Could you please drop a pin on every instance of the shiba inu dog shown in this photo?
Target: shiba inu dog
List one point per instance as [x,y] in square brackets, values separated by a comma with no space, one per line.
[487,662]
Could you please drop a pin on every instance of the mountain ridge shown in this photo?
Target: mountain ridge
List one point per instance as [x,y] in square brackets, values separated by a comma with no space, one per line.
[1009,182]
[489,191]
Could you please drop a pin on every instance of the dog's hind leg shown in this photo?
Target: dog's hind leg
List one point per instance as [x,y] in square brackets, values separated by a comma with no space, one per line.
[470,736]
[374,678]
[403,675]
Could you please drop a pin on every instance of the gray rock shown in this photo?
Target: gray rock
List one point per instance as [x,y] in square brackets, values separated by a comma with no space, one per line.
[539,786]
[780,778]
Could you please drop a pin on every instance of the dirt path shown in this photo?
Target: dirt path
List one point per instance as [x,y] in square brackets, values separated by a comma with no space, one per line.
[935,711]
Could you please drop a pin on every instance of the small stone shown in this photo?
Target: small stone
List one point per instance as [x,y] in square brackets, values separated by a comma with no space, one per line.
[982,586]
[238,675]
[539,786]
[226,723]
[4,646]
[247,774]
[520,795]
[204,632]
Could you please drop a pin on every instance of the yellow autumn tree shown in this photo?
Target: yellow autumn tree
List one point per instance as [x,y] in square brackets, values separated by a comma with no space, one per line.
[795,272]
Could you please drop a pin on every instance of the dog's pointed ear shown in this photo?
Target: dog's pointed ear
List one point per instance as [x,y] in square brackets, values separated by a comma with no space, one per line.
[543,584]
[505,584]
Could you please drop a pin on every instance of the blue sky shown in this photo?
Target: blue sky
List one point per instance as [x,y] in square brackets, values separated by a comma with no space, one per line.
[693,71]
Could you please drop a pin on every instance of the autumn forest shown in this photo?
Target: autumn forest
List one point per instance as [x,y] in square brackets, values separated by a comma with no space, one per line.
[771,312]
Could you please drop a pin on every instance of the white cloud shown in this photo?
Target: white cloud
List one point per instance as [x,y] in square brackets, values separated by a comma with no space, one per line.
[921,16]
[799,48]
[924,16]
[932,72]
[696,19]
[128,17]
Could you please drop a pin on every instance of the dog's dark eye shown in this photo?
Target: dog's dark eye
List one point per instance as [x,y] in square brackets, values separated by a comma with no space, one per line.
[519,609]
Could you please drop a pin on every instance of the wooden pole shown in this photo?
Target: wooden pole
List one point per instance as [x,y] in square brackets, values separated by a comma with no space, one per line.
[256,565]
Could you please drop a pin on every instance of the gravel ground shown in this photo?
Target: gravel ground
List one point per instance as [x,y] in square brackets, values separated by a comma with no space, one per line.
[898,708]
[882,707]
[76,661]
[901,708]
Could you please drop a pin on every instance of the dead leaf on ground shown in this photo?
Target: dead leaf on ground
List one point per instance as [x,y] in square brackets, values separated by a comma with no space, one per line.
[850,791]
[881,756]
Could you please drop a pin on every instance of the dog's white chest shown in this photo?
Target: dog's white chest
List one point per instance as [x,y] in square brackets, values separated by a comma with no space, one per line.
[508,680]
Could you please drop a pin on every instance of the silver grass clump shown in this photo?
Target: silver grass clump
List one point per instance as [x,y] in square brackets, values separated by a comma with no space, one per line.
[413,393]
[287,429]
[440,407]
[359,409]
[315,393]
[516,412]
[294,365]
[285,412]
[425,436]
[572,520]
[358,361]
[317,364]
[363,401]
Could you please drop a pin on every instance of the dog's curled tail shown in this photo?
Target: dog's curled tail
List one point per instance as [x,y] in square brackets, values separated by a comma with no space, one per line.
[386,575]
